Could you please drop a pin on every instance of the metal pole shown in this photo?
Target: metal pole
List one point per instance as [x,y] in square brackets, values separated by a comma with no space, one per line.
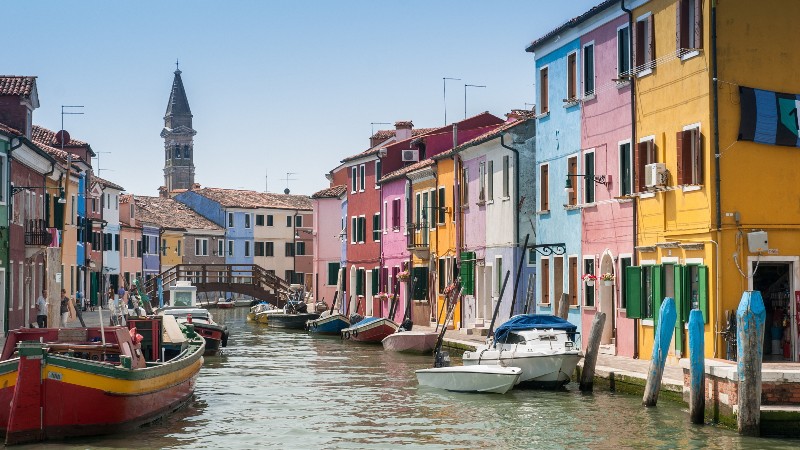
[465,95]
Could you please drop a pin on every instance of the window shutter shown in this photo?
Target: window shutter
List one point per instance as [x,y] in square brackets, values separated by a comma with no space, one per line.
[633,292]
[441,205]
[657,283]
[641,161]
[441,274]
[679,145]
[652,23]
[702,287]
[468,272]
[698,24]
[682,25]
[421,286]
[375,281]
[698,142]
[680,295]
[640,44]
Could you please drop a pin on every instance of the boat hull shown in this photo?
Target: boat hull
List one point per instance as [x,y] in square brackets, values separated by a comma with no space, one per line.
[494,379]
[538,370]
[411,341]
[214,336]
[373,332]
[290,321]
[333,324]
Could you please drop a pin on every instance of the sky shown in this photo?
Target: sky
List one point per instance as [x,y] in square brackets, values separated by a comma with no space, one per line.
[274,87]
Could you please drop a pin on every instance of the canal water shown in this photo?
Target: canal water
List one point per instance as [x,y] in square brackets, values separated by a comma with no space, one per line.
[283,389]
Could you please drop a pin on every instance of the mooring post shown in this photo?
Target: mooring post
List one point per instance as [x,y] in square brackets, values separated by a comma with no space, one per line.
[590,360]
[662,338]
[697,373]
[750,317]
[563,306]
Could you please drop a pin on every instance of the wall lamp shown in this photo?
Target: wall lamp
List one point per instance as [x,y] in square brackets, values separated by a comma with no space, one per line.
[297,234]
[597,179]
[17,189]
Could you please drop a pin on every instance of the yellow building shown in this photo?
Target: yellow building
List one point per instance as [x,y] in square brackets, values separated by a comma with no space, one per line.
[698,200]
[172,247]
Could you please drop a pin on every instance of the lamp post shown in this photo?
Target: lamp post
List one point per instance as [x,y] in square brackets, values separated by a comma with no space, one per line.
[465,95]
[601,179]
[444,94]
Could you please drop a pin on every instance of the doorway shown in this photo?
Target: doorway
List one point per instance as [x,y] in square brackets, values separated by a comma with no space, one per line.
[607,299]
[775,281]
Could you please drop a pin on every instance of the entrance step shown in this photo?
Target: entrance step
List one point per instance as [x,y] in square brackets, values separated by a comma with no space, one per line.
[478,331]
[608,349]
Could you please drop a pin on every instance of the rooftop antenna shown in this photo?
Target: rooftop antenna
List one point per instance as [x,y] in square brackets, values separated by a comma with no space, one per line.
[266,180]
[377,123]
[98,161]
[531,105]
[288,179]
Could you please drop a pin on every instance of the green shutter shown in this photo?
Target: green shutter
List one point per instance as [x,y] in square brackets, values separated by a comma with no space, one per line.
[680,299]
[359,282]
[468,272]
[421,286]
[375,280]
[657,283]
[333,274]
[442,275]
[58,215]
[702,286]
[633,292]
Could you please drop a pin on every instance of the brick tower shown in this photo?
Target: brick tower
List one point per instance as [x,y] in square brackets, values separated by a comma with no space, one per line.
[178,139]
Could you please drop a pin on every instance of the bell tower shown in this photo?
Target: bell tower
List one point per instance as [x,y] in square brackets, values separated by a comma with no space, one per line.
[178,138]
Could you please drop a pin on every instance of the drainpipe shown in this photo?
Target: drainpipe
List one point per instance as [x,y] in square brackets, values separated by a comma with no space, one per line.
[409,213]
[457,208]
[633,143]
[717,177]
[516,186]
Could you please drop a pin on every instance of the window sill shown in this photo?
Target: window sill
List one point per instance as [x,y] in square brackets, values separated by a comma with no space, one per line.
[571,207]
[644,73]
[480,203]
[647,322]
[647,195]
[570,103]
[543,212]
[588,205]
[505,199]
[588,96]
[622,84]
[692,187]
[575,307]
[589,308]
[544,304]
[690,53]
[490,202]
[543,115]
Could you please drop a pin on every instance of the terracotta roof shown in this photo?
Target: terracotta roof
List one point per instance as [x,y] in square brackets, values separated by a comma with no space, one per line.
[331,192]
[572,23]
[10,130]
[106,183]
[407,169]
[236,198]
[16,85]
[374,150]
[48,137]
[482,138]
[168,213]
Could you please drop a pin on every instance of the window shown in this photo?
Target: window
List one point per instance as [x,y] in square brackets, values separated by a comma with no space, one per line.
[588,70]
[497,285]
[690,156]
[625,174]
[377,173]
[298,221]
[645,45]
[588,292]
[418,209]
[573,281]
[269,248]
[354,179]
[646,286]
[506,176]
[133,252]
[441,211]
[246,248]
[544,105]
[375,274]
[301,248]
[361,280]
[230,220]
[230,248]
[442,274]
[690,25]
[481,182]
[361,173]
[421,286]
[221,247]
[572,76]
[588,168]
[624,263]
[396,205]
[125,248]
[467,273]
[333,273]
[178,249]
[353,230]
[289,221]
[201,247]
[572,170]
[646,155]
[269,220]
[289,248]
[558,278]
[465,187]
[259,249]
[288,275]
[145,244]
[376,227]
[139,249]
[490,181]
[385,216]
[623,51]
[544,194]
[362,229]
[3,178]
[247,220]
[259,220]
[164,247]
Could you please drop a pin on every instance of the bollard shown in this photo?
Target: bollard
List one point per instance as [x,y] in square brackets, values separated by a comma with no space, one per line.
[563,306]
[590,360]
[697,374]
[750,317]
[663,336]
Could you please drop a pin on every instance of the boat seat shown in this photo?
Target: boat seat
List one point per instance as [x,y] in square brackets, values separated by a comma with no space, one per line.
[72,335]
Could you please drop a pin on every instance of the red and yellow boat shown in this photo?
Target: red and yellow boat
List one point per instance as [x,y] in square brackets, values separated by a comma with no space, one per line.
[86,381]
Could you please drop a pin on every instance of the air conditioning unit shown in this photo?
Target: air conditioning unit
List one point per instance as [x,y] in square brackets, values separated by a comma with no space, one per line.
[655,174]
[410,155]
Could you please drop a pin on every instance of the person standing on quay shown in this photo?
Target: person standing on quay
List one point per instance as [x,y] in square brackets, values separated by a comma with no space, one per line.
[41,307]
[64,307]
[79,308]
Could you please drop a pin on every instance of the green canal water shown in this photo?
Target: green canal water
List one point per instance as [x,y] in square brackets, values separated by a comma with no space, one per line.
[278,389]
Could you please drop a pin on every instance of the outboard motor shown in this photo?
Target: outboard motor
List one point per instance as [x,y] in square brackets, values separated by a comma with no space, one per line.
[355,318]
[407,325]
[442,359]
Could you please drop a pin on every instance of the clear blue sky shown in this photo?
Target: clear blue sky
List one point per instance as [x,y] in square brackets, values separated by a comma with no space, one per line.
[274,87]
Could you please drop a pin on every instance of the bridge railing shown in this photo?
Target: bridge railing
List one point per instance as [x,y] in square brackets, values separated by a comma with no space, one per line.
[236,277]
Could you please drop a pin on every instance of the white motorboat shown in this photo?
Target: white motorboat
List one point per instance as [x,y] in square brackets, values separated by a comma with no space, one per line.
[546,354]
[411,341]
[476,378]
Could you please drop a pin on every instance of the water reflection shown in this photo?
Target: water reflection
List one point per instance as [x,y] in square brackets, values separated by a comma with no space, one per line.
[277,389]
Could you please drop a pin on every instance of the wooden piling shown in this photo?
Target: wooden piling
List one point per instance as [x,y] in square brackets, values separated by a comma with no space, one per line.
[563,306]
[697,373]
[750,318]
[590,360]
[663,336]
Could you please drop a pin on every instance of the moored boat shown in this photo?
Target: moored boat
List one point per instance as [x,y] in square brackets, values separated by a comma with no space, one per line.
[328,324]
[216,335]
[86,381]
[495,379]
[411,341]
[370,329]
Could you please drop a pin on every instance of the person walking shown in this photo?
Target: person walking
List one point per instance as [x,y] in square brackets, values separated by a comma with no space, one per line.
[79,308]
[41,310]
[64,308]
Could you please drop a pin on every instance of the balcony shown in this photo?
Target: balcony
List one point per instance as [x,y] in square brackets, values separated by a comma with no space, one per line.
[36,233]
[418,240]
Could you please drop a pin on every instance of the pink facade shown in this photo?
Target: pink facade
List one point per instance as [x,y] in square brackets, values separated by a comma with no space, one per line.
[394,239]
[607,240]
[327,226]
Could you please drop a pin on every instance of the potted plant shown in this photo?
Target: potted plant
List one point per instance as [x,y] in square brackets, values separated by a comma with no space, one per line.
[589,279]
[403,276]
[608,279]
[382,296]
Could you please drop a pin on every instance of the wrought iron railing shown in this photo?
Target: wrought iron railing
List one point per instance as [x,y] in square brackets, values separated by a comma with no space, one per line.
[36,233]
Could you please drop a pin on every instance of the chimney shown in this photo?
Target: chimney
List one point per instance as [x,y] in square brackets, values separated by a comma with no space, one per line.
[519,114]
[162,192]
[403,129]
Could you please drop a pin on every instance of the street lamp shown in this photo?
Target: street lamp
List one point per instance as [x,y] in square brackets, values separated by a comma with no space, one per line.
[465,95]
[597,179]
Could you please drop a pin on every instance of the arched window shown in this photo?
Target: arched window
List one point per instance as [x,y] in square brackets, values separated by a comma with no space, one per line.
[186,152]
[177,151]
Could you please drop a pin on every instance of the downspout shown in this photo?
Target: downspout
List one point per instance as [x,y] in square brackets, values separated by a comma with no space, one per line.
[717,177]
[457,208]
[409,212]
[633,144]
[7,225]
[516,216]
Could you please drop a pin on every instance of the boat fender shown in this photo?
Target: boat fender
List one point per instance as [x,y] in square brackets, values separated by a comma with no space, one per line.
[355,334]
[225,334]
[346,335]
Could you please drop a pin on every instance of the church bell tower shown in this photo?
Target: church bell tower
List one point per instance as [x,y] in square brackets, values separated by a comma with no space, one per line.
[178,139]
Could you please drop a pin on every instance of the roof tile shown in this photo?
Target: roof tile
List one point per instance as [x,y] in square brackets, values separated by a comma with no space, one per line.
[16,85]
[331,192]
[236,198]
[169,213]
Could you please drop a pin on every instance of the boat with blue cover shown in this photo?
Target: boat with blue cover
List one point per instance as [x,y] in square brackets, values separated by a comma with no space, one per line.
[370,329]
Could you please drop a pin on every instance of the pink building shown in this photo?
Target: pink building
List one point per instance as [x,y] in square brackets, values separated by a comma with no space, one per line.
[394,238]
[327,246]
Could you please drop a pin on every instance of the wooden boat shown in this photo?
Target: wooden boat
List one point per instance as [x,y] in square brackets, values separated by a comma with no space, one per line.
[226,305]
[411,341]
[255,310]
[243,302]
[60,383]
[328,324]
[495,379]
[294,321]
[370,329]
[216,335]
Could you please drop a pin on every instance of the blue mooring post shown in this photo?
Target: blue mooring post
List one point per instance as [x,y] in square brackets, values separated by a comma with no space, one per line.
[160,292]
[661,341]
[697,374]
[750,318]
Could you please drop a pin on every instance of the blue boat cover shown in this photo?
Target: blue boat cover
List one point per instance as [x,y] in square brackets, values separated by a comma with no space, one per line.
[365,321]
[532,322]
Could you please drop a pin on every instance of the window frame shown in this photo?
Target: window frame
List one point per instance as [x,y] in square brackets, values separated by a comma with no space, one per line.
[354,179]
[544,277]
[691,151]
[544,188]
[259,218]
[621,168]
[589,171]
[231,220]
[572,171]
[620,57]
[588,267]
[376,227]
[646,153]
[645,66]
[248,220]
[588,65]
[544,90]
[572,76]
[200,243]
[362,173]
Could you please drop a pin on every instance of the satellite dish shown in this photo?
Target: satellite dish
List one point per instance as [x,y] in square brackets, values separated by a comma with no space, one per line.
[286,191]
[62,137]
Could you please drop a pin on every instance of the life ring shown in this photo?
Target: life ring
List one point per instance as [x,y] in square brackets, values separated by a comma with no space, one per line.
[355,333]
[346,335]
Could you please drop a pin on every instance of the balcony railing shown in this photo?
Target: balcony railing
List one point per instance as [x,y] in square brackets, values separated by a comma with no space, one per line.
[418,238]
[36,233]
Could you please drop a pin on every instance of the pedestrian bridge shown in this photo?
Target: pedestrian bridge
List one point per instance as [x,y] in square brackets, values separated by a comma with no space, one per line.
[245,279]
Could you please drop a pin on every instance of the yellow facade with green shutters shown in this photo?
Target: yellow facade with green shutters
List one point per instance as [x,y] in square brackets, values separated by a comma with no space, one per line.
[172,248]
[692,224]
[444,236]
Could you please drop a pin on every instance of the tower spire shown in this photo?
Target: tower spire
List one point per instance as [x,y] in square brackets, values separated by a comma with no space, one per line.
[178,137]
